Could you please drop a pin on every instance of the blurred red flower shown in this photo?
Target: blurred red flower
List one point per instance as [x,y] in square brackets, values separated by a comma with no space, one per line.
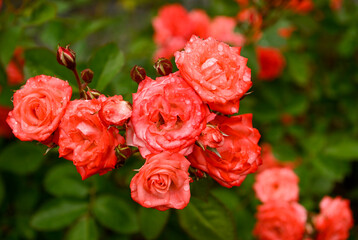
[271,63]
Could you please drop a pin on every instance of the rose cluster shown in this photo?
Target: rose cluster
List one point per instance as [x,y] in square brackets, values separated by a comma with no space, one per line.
[177,121]
[282,217]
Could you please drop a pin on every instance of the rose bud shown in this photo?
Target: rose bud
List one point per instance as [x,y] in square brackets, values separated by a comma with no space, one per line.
[115,111]
[211,136]
[66,57]
[138,74]
[87,75]
[163,66]
[123,152]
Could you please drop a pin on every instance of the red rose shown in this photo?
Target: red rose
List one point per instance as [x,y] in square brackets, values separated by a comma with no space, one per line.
[15,68]
[223,29]
[162,182]
[211,137]
[334,220]
[167,116]
[38,107]
[240,154]
[216,71]
[115,111]
[280,220]
[335,4]
[86,140]
[271,63]
[279,184]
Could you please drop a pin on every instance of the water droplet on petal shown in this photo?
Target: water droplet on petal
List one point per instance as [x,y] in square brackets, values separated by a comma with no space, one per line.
[148,203]
[186,188]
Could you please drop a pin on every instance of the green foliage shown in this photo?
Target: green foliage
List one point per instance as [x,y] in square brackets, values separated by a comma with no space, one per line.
[152,222]
[84,229]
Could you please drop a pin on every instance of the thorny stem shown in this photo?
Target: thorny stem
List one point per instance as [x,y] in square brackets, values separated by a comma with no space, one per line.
[80,89]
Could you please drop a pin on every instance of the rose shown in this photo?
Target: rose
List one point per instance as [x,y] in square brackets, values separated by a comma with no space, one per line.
[200,23]
[167,116]
[216,71]
[280,220]
[15,68]
[162,182]
[38,108]
[238,156]
[5,130]
[334,220]
[270,161]
[271,62]
[279,184]
[86,140]
[115,111]
[300,6]
[222,29]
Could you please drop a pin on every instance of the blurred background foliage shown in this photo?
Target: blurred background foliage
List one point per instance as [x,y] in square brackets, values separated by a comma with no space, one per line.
[309,115]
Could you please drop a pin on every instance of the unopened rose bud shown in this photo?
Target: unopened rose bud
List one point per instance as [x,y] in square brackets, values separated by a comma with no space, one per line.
[138,74]
[211,136]
[66,57]
[123,152]
[87,75]
[163,66]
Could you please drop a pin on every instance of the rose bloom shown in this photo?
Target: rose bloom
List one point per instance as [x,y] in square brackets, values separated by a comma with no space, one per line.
[5,130]
[86,140]
[167,116]
[39,107]
[162,182]
[211,137]
[279,184]
[115,111]
[334,220]
[280,220]
[15,68]
[167,50]
[222,29]
[254,19]
[240,154]
[216,71]
[286,32]
[271,62]
[243,3]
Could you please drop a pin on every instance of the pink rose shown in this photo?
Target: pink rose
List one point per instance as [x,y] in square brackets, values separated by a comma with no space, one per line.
[162,182]
[334,220]
[169,48]
[216,71]
[167,116]
[279,184]
[222,29]
[240,154]
[86,140]
[38,107]
[115,111]
[280,220]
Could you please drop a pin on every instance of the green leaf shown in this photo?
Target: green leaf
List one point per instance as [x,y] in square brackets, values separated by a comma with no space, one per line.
[43,61]
[298,68]
[57,214]
[106,63]
[41,13]
[207,220]
[152,222]
[84,229]
[115,214]
[346,149]
[64,181]
[21,157]
[9,38]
